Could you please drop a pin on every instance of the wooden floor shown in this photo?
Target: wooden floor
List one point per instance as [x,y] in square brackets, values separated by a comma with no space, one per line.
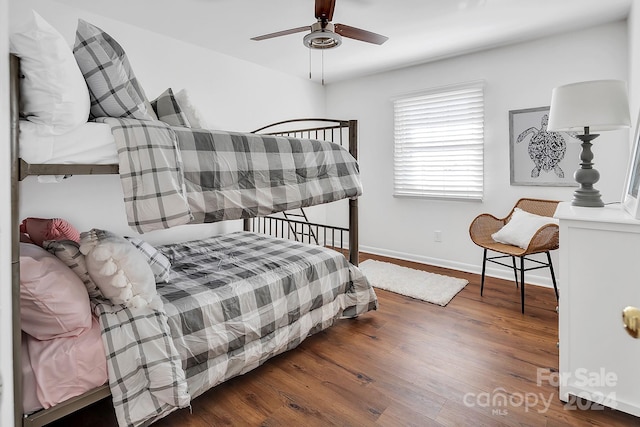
[411,363]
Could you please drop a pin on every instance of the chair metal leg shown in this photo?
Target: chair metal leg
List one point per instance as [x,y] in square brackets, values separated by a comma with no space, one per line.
[519,280]
[553,276]
[522,282]
[484,265]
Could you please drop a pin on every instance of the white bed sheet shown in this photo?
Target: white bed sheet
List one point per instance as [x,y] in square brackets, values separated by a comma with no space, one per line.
[91,143]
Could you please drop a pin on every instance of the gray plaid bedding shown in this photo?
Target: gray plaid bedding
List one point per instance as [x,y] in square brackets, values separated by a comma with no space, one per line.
[150,173]
[236,300]
[223,175]
[232,175]
[231,303]
[146,378]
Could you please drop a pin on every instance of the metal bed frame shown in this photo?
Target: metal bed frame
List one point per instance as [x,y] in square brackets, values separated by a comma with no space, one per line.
[343,131]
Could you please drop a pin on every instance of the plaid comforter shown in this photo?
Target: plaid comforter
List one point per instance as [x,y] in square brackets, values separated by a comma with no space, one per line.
[231,303]
[236,300]
[151,174]
[174,175]
[146,378]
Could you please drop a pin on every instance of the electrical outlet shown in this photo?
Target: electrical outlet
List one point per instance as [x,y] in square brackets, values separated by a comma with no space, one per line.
[437,236]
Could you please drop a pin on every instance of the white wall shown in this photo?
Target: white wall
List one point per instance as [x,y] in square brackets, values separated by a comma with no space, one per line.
[232,94]
[516,77]
[634,62]
[6,351]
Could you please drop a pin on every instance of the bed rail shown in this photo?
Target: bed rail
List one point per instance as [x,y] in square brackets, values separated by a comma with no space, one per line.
[28,169]
[46,416]
[14,89]
[302,231]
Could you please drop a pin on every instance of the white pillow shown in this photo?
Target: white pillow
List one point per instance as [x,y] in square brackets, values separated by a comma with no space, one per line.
[54,93]
[119,270]
[193,114]
[521,228]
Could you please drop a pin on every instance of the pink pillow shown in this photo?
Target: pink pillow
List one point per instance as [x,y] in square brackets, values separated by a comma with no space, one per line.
[41,229]
[53,299]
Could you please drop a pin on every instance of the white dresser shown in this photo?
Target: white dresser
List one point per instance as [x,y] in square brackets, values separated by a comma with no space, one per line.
[599,276]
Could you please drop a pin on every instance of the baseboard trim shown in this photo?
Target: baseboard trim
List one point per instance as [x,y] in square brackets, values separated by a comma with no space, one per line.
[500,273]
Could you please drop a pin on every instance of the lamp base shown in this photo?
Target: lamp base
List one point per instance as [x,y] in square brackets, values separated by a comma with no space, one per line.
[586,197]
[586,176]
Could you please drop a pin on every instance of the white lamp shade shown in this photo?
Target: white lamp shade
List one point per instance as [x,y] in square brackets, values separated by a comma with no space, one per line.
[600,105]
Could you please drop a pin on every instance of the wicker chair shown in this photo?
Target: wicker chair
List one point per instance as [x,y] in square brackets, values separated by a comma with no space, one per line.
[544,240]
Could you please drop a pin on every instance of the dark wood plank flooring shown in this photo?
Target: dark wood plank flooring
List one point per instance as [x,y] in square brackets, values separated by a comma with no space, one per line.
[411,363]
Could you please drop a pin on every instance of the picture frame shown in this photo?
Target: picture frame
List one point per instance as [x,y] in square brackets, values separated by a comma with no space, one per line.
[539,157]
[631,195]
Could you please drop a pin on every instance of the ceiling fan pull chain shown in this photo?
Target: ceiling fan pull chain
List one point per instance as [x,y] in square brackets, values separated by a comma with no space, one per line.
[322,65]
[309,64]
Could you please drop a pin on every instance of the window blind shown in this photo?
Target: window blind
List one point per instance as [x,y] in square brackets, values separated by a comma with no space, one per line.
[439,143]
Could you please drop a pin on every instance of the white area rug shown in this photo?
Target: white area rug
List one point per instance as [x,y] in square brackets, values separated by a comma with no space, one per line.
[430,287]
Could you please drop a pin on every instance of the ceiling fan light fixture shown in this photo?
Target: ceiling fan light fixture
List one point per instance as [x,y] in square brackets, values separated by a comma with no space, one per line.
[325,35]
[322,40]
[322,36]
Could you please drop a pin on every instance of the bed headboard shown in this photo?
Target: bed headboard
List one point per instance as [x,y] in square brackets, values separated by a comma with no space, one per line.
[343,132]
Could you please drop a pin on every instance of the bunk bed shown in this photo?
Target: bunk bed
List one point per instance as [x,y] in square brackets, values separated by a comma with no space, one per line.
[344,292]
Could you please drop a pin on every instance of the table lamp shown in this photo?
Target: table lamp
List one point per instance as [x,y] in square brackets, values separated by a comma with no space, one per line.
[597,105]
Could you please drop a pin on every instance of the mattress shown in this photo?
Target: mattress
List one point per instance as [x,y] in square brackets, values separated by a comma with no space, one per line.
[91,143]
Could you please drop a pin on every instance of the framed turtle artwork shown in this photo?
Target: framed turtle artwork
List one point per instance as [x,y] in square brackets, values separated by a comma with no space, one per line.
[540,157]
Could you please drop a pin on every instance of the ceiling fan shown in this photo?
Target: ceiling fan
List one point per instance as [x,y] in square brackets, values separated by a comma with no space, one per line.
[326,35]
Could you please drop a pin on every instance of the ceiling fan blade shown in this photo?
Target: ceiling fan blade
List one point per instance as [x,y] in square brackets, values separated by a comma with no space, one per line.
[360,34]
[281,33]
[324,9]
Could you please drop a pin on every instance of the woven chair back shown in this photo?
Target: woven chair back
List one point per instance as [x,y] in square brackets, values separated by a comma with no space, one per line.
[536,206]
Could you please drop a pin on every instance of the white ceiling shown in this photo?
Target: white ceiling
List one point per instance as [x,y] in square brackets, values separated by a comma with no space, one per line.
[418,30]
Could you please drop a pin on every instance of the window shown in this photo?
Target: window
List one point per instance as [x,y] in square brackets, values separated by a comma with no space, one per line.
[439,138]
